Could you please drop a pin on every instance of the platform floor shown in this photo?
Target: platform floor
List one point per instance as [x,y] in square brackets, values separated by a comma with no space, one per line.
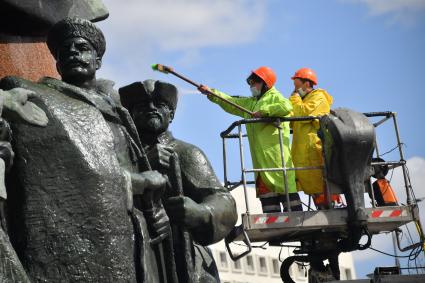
[294,226]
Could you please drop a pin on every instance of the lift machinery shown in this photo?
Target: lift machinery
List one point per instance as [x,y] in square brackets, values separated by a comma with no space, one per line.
[349,143]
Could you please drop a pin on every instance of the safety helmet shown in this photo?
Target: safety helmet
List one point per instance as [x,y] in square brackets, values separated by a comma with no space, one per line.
[307,74]
[266,74]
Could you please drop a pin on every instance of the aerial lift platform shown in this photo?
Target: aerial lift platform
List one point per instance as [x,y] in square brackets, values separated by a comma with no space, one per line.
[296,225]
[349,141]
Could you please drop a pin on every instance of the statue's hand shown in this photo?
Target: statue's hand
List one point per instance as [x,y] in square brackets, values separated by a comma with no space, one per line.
[150,185]
[147,182]
[17,106]
[160,224]
[185,211]
[159,156]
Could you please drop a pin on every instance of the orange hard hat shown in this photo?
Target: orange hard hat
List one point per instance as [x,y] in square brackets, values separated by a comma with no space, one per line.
[266,74]
[307,74]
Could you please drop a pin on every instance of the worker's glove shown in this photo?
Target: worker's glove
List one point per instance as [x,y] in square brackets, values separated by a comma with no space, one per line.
[257,114]
[185,211]
[204,89]
[159,157]
[17,107]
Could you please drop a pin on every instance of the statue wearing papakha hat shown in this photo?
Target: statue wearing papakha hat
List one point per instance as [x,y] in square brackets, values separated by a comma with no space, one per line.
[201,210]
[71,188]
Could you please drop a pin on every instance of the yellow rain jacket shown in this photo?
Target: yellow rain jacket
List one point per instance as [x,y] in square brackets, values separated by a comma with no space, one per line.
[306,145]
[263,138]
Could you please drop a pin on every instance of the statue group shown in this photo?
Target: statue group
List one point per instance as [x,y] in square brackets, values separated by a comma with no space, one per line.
[96,188]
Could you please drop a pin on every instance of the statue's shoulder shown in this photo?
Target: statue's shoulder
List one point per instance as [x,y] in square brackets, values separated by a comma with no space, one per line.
[182,147]
[10,82]
[106,87]
[190,154]
[195,165]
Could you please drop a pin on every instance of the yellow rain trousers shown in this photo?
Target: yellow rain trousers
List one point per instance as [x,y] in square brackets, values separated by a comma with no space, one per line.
[264,138]
[306,145]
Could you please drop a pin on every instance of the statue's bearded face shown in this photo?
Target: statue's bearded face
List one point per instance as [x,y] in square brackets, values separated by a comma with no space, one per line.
[77,60]
[152,115]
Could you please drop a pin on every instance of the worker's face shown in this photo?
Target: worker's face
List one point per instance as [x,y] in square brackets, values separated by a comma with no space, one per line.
[255,88]
[152,115]
[77,60]
[257,85]
[299,84]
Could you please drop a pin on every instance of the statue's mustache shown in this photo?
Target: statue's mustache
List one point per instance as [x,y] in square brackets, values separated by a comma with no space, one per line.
[153,114]
[74,60]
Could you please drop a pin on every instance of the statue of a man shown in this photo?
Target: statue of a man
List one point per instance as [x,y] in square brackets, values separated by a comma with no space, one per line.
[201,209]
[70,191]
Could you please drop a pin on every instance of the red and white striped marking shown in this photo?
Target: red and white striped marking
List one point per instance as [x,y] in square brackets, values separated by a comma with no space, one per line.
[271,219]
[386,213]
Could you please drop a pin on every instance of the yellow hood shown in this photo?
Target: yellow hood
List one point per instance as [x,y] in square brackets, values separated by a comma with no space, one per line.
[328,97]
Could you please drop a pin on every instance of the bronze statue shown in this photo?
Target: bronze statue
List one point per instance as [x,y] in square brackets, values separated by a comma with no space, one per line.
[201,210]
[70,190]
[15,106]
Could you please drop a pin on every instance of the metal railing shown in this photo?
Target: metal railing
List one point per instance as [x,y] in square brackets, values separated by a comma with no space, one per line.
[228,134]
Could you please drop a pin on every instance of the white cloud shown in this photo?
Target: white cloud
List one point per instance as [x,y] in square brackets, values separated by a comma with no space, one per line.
[379,7]
[172,25]
[405,12]
[140,32]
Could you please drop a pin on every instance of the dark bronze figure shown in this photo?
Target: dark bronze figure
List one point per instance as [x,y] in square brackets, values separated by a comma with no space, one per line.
[11,269]
[201,210]
[70,190]
[14,106]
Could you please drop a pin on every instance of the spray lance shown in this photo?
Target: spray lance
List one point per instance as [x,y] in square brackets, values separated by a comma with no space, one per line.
[169,70]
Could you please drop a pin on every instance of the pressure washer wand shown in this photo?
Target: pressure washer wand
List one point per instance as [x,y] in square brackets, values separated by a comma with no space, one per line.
[169,70]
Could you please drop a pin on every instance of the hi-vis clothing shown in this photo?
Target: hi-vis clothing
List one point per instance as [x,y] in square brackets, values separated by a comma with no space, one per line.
[306,145]
[264,138]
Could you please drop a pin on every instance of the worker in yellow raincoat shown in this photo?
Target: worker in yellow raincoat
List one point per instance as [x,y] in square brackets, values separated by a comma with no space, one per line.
[266,101]
[306,145]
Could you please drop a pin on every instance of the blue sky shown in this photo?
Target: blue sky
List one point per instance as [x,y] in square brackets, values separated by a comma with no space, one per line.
[368,54]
